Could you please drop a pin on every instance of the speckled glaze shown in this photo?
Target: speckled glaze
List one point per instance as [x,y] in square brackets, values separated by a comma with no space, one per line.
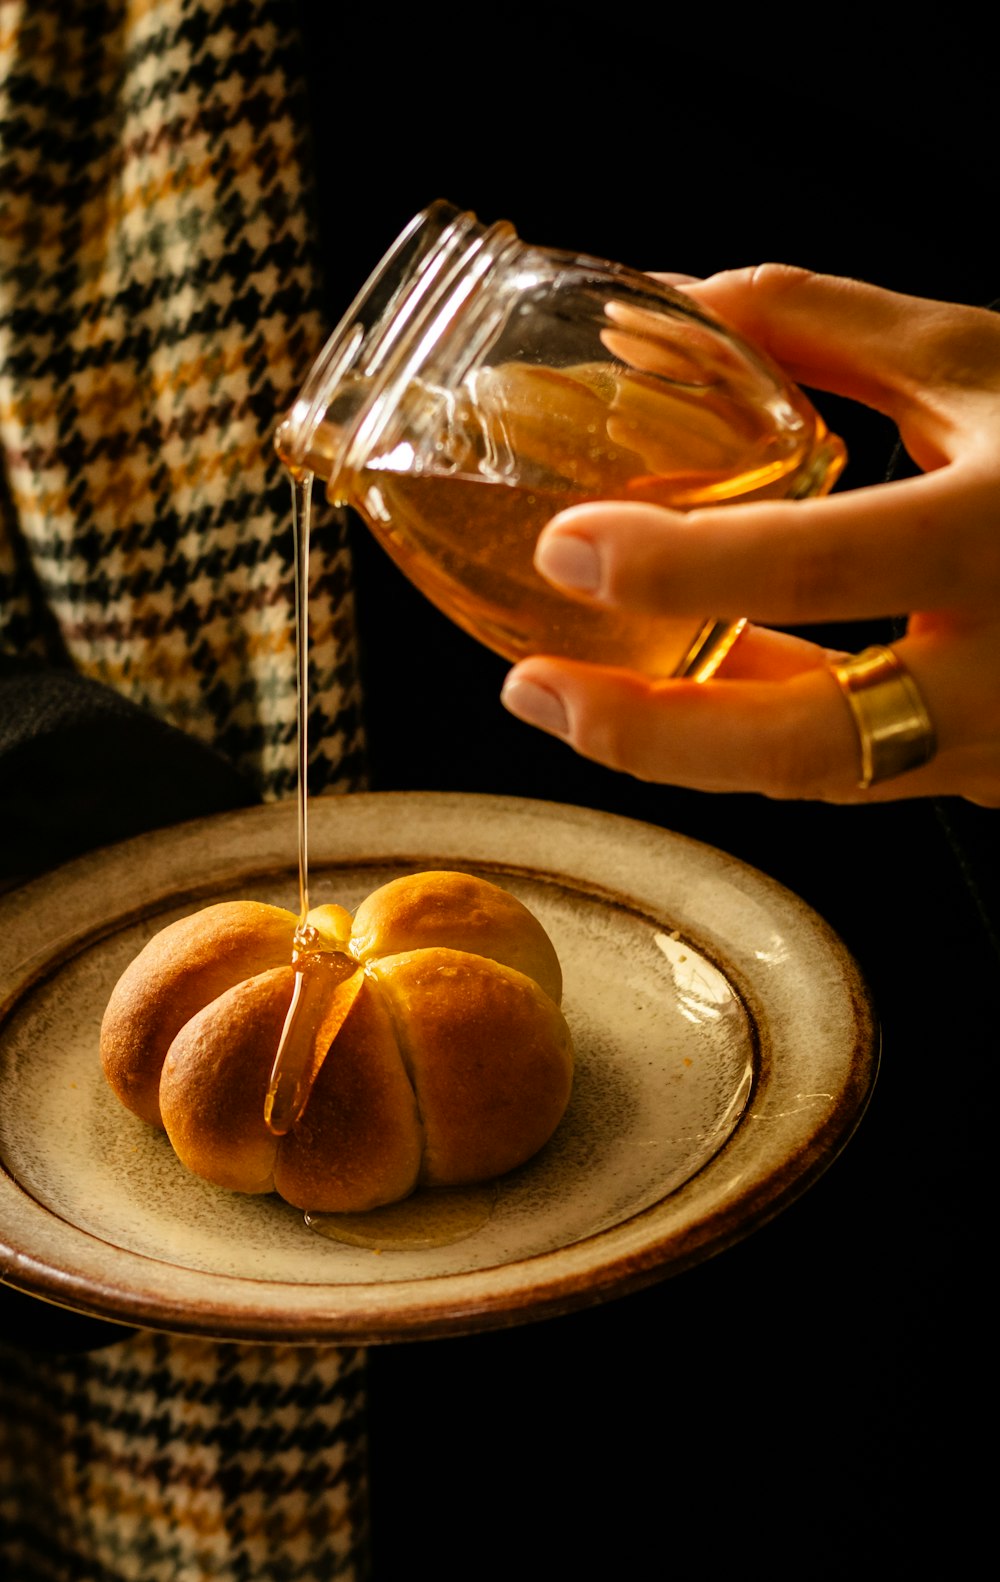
[725,1051]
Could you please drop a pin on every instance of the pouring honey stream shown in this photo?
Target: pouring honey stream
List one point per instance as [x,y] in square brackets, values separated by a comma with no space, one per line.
[295,1065]
[327,980]
[327,977]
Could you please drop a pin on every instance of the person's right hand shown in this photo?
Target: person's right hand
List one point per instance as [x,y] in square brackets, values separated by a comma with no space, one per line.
[774,720]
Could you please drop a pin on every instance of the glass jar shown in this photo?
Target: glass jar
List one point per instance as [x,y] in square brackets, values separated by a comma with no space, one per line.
[478,385]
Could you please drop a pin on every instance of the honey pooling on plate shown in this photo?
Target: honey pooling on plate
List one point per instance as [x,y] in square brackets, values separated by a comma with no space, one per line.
[435,1218]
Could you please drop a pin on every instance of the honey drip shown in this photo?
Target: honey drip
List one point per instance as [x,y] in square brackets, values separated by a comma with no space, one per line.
[326,984]
[302,484]
[299,1055]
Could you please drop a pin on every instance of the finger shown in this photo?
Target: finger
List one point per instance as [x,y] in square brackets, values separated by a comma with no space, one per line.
[793,738]
[924,543]
[881,347]
[671,277]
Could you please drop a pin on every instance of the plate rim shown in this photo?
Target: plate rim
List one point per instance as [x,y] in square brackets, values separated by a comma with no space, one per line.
[660,1241]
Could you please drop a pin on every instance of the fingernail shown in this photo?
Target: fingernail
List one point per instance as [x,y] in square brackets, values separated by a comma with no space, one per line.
[535,705]
[572,562]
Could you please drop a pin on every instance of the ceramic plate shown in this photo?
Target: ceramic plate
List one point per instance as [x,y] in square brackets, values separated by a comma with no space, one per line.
[725,1051]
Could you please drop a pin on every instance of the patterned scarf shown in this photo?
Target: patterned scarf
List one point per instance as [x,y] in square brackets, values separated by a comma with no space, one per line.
[158,309]
[167,1460]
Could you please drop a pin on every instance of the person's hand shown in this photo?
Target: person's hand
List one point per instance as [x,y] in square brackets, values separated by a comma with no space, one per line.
[774,719]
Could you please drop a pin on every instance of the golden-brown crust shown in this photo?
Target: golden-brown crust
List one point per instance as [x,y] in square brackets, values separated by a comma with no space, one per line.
[181,969]
[215,1079]
[489,1055]
[460,912]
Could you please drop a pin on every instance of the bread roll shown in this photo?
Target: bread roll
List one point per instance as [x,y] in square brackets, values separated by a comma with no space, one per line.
[439,1054]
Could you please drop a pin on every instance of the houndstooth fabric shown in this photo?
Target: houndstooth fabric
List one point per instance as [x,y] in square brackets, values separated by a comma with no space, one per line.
[161,1459]
[158,309]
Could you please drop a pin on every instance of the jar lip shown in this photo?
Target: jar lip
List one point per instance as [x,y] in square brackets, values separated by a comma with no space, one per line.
[371,336]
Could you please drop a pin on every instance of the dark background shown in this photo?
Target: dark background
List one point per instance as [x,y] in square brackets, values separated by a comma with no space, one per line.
[809,1396]
[813,1398]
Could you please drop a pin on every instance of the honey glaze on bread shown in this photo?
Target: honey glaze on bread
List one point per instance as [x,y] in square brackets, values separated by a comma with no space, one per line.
[440,1055]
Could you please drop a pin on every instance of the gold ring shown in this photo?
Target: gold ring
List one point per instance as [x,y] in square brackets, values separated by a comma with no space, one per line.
[893,725]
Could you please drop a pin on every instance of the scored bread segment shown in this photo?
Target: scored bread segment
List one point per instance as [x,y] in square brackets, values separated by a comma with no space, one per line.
[460,912]
[215,1079]
[489,1055]
[183,967]
[359,1142]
